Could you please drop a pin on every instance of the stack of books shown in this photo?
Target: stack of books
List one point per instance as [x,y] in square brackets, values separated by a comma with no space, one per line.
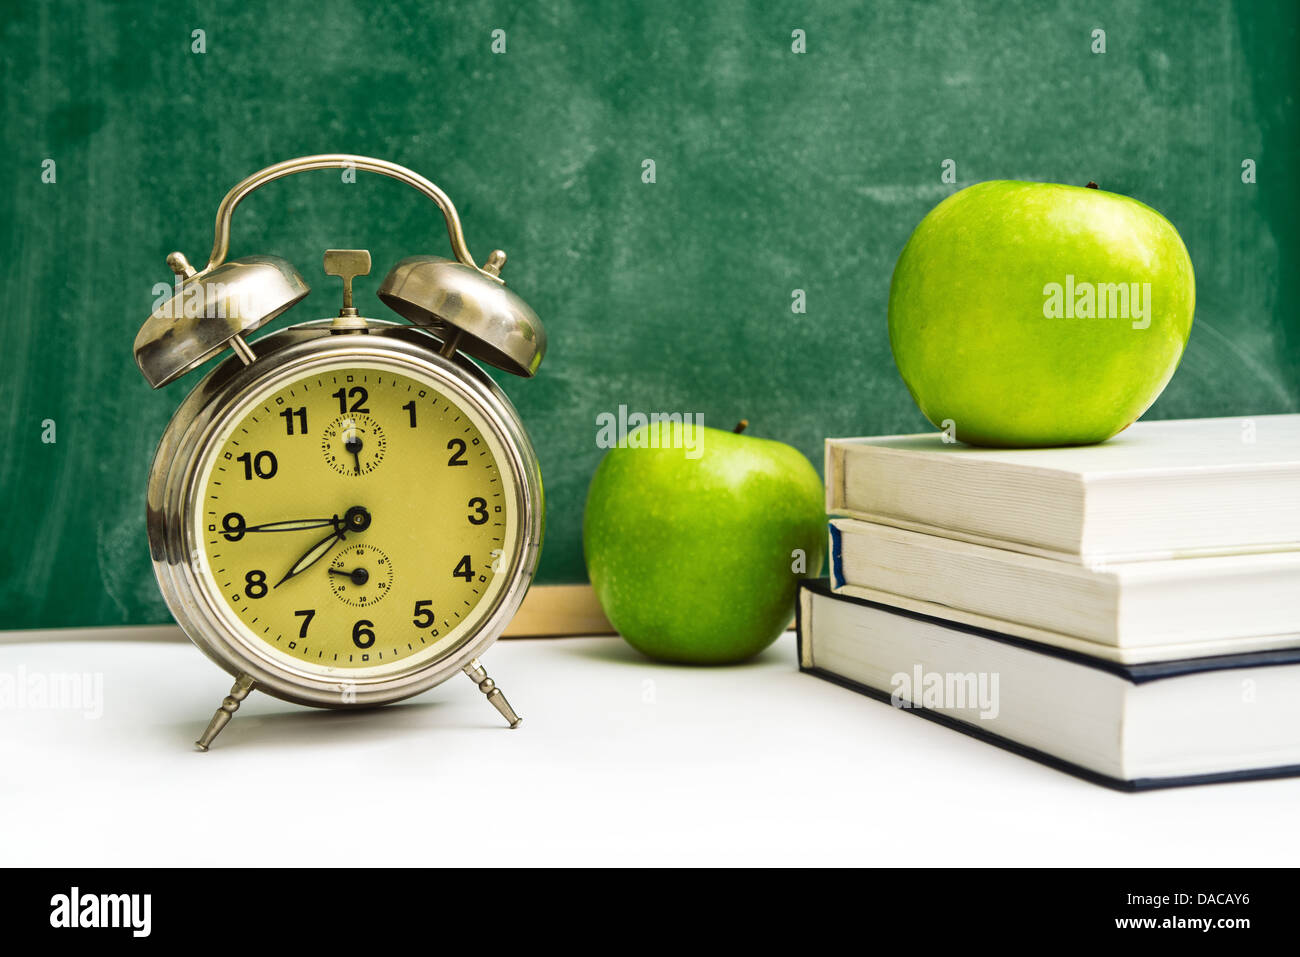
[1127,612]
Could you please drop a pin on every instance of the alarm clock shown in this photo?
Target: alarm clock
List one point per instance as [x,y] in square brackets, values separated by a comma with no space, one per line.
[345,512]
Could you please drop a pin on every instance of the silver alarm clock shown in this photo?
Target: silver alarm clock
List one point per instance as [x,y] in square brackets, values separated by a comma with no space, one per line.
[346,512]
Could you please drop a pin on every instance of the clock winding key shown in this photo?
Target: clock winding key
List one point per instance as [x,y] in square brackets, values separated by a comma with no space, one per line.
[348,264]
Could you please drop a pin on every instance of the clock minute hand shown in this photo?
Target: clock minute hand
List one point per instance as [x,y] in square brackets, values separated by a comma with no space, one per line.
[356,519]
[295,525]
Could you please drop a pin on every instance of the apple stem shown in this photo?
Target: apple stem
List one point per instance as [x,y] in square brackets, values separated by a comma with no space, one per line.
[1092,185]
[741,426]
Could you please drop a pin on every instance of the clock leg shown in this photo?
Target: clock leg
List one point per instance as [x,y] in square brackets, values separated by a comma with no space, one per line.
[229,705]
[489,688]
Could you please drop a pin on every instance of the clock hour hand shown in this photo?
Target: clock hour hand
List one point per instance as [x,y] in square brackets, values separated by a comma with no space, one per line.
[314,554]
[356,519]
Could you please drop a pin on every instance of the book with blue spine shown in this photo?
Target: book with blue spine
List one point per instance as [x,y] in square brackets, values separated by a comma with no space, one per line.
[1129,727]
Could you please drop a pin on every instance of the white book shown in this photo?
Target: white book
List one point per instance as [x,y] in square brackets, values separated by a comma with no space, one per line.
[1125,726]
[1140,611]
[1171,489]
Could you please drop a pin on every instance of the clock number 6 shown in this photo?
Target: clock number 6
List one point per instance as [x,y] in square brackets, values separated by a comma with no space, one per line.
[362,636]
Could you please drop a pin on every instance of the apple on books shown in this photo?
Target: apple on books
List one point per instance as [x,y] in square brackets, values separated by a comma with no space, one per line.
[1035,314]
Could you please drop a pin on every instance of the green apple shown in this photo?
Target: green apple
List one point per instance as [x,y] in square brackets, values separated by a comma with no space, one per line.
[695,548]
[1030,314]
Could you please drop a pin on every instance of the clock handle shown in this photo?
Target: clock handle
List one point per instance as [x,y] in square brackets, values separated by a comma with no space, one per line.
[221,241]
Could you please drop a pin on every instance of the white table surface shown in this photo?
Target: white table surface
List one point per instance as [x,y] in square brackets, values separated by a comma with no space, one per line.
[618,761]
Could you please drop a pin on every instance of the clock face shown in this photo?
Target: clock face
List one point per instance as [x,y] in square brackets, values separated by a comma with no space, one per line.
[354,518]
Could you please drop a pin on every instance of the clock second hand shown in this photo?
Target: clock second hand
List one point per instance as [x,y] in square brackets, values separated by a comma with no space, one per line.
[356,519]
[359,576]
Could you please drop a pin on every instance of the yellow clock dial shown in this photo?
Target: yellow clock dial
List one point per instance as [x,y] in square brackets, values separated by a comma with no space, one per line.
[354,518]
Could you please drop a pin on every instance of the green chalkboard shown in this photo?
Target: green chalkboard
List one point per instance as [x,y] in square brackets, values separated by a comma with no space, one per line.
[774,171]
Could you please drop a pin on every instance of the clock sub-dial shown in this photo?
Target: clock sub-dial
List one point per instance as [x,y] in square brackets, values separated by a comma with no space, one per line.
[353,444]
[360,575]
